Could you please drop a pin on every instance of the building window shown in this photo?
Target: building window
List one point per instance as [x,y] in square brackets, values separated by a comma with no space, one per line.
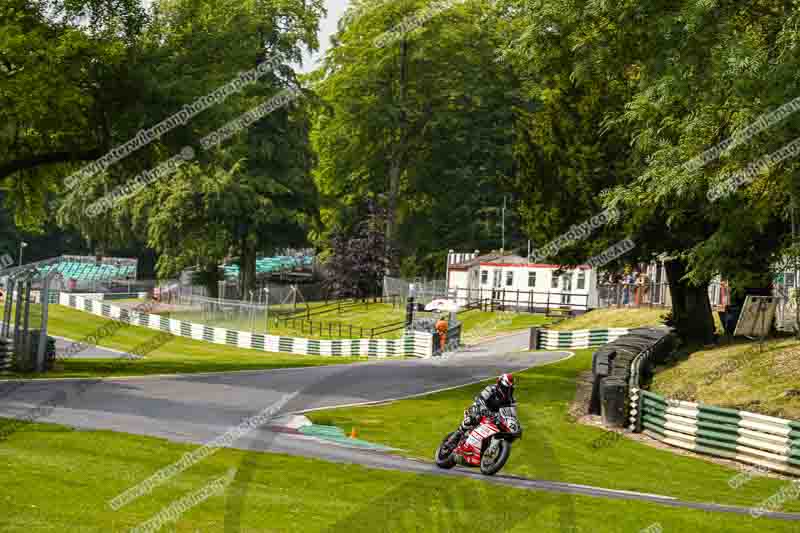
[531,279]
[554,282]
[484,277]
[509,279]
[581,280]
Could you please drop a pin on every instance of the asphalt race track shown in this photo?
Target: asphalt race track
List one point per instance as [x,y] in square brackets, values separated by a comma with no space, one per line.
[199,407]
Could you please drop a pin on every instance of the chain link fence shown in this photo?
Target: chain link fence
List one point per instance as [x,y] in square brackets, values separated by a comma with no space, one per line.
[425,289]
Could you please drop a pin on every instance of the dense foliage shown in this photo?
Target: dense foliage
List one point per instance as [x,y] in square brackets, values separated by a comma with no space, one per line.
[431,112]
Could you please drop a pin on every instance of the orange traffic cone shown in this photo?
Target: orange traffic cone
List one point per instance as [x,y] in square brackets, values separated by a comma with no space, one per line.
[353,433]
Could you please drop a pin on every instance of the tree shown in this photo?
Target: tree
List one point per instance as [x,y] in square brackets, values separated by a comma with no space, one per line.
[60,83]
[424,121]
[357,261]
[689,77]
[252,194]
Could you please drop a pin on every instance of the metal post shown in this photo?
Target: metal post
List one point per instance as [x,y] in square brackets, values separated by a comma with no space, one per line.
[26,340]
[7,311]
[410,306]
[17,315]
[266,309]
[503,215]
[40,362]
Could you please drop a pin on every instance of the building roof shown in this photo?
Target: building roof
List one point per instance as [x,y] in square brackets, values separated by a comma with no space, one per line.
[505,259]
[486,258]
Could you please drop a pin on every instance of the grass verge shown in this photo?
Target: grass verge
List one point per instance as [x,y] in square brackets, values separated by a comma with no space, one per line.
[739,375]
[553,446]
[61,480]
[614,318]
[176,356]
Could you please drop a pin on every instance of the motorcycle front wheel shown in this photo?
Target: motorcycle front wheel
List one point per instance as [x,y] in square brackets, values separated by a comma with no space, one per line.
[444,455]
[495,457]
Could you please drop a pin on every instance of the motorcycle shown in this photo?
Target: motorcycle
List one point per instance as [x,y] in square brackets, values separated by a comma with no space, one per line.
[487,446]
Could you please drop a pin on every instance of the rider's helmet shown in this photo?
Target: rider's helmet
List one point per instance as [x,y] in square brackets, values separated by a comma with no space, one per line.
[505,384]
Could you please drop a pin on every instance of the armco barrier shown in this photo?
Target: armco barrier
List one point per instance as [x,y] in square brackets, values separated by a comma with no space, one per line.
[550,339]
[412,343]
[760,440]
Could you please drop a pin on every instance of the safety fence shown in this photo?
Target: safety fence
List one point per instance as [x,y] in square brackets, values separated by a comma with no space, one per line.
[760,440]
[549,339]
[6,354]
[412,343]
[621,370]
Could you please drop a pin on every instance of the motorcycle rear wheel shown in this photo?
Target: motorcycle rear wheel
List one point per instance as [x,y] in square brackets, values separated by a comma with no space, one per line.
[490,465]
[444,460]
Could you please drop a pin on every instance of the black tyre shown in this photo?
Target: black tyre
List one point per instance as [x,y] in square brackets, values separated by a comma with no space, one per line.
[490,465]
[444,455]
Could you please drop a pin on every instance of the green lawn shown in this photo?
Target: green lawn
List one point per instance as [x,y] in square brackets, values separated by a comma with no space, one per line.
[739,376]
[619,318]
[361,317]
[553,447]
[178,355]
[614,318]
[57,479]
[478,325]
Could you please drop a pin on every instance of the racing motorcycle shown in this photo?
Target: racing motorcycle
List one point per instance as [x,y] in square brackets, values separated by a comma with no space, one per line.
[487,446]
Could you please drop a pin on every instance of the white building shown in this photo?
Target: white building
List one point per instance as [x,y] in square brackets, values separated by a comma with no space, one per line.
[512,282]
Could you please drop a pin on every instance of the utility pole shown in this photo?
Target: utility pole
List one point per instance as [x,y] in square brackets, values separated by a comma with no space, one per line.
[22,244]
[503,224]
[795,253]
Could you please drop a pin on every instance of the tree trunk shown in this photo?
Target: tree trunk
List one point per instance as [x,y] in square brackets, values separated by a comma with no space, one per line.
[691,309]
[247,268]
[211,278]
[397,163]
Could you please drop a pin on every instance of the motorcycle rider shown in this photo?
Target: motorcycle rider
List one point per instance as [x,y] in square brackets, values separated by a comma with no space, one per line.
[487,403]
